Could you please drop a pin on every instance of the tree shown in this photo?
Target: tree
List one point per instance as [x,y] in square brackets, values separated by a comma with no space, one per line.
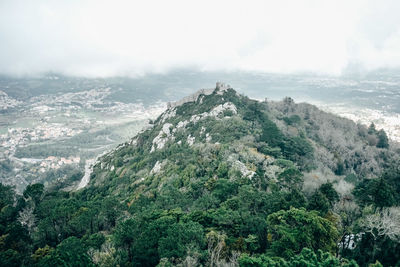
[34,192]
[27,218]
[385,222]
[372,128]
[292,230]
[270,132]
[218,250]
[383,141]
[376,192]
[41,252]
[307,258]
[10,258]
[55,214]
[392,176]
[295,198]
[7,195]
[329,192]
[179,237]
[146,252]
[93,241]
[224,188]
[298,149]
[70,252]
[125,235]
[381,237]
[319,202]
[340,167]
[291,178]
[349,213]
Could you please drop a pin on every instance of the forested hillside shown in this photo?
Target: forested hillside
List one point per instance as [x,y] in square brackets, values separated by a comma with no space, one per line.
[223,180]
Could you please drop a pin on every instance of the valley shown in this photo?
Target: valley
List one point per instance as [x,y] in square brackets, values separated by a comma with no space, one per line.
[46,138]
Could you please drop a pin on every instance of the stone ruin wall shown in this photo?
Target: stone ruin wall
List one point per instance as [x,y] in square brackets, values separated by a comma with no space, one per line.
[195,96]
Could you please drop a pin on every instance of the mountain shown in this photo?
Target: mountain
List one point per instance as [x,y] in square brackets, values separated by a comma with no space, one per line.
[219,179]
[53,125]
[253,140]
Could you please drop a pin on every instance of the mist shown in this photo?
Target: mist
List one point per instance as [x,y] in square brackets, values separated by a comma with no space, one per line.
[130,38]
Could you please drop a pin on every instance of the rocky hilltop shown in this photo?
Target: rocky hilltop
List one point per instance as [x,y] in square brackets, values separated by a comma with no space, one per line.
[251,138]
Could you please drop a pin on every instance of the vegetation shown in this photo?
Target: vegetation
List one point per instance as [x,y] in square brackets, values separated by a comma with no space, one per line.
[213,185]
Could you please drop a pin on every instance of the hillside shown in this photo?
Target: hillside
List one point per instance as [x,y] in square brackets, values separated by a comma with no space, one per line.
[219,179]
[254,140]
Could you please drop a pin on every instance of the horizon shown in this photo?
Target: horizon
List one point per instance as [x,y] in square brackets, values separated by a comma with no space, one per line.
[351,74]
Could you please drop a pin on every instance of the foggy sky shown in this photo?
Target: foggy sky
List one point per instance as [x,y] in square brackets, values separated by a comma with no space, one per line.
[106,38]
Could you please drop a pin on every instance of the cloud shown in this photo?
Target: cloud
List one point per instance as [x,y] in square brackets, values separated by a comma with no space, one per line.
[106,38]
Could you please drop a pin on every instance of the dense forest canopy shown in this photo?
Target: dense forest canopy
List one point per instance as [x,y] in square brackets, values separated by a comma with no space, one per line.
[223,180]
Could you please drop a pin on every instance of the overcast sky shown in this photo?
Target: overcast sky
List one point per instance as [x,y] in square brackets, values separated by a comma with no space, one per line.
[106,38]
